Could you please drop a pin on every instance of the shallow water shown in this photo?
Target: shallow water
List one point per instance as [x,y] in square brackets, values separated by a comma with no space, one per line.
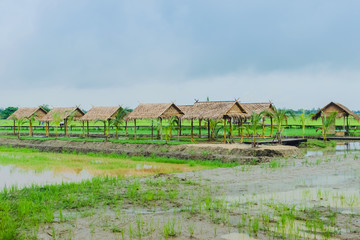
[341,148]
[14,176]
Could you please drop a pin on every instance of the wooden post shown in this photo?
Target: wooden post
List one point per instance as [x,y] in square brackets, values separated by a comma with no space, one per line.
[224,130]
[208,129]
[152,129]
[241,131]
[104,128]
[263,125]
[47,128]
[192,130]
[14,127]
[109,121]
[135,129]
[199,128]
[65,127]
[87,126]
[231,136]
[272,126]
[30,125]
[83,128]
[161,132]
[179,127]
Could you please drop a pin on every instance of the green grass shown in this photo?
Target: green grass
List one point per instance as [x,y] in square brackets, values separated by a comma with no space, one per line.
[314,143]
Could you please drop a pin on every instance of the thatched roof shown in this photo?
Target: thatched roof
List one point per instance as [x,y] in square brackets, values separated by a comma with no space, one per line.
[257,107]
[185,108]
[65,112]
[100,113]
[215,110]
[341,110]
[27,112]
[155,110]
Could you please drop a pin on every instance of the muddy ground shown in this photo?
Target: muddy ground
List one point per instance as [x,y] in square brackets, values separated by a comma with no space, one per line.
[242,153]
[291,198]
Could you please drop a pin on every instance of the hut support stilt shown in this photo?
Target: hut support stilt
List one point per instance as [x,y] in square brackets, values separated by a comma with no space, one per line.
[224,130]
[126,129]
[30,128]
[152,129]
[87,128]
[161,132]
[47,128]
[231,135]
[135,129]
[208,129]
[272,126]
[14,128]
[199,128]
[263,127]
[192,130]
[104,128]
[108,133]
[241,131]
[65,128]
[83,128]
[179,127]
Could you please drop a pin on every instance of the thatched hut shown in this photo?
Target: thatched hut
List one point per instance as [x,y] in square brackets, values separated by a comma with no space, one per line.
[342,112]
[259,108]
[29,114]
[154,111]
[105,114]
[215,110]
[63,114]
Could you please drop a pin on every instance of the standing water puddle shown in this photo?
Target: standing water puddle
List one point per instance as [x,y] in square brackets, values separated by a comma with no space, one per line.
[14,176]
[341,148]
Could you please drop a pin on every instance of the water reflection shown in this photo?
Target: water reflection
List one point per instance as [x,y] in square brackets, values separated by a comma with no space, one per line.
[11,175]
[341,148]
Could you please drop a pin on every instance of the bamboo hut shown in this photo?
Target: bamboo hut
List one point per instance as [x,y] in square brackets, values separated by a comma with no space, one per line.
[64,113]
[215,110]
[259,108]
[104,114]
[342,112]
[29,114]
[154,111]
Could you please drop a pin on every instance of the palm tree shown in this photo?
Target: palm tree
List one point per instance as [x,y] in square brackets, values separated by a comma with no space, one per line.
[303,118]
[255,120]
[213,124]
[119,120]
[57,118]
[327,121]
[19,123]
[173,123]
[69,122]
[280,117]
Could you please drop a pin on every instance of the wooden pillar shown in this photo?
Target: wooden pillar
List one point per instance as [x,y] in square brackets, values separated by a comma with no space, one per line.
[192,130]
[126,129]
[152,129]
[272,126]
[161,132]
[209,130]
[179,127]
[347,126]
[241,131]
[109,121]
[30,128]
[83,128]
[263,128]
[14,127]
[135,129]
[104,128]
[65,127]
[231,136]
[224,130]
[47,128]
[199,128]
[87,128]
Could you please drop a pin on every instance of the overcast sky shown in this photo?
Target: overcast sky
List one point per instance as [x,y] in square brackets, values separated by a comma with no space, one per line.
[297,54]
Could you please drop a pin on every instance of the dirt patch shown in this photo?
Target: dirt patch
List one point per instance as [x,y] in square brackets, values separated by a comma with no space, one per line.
[223,152]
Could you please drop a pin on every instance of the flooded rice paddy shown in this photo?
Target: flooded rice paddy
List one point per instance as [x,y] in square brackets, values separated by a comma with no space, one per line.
[313,197]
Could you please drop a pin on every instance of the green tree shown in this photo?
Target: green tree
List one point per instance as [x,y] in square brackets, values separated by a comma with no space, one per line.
[7,112]
[119,119]
[327,121]
[173,124]
[280,117]
[303,117]
[57,118]
[255,120]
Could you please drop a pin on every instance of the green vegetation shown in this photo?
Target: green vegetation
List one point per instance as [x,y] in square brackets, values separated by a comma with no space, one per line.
[314,143]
